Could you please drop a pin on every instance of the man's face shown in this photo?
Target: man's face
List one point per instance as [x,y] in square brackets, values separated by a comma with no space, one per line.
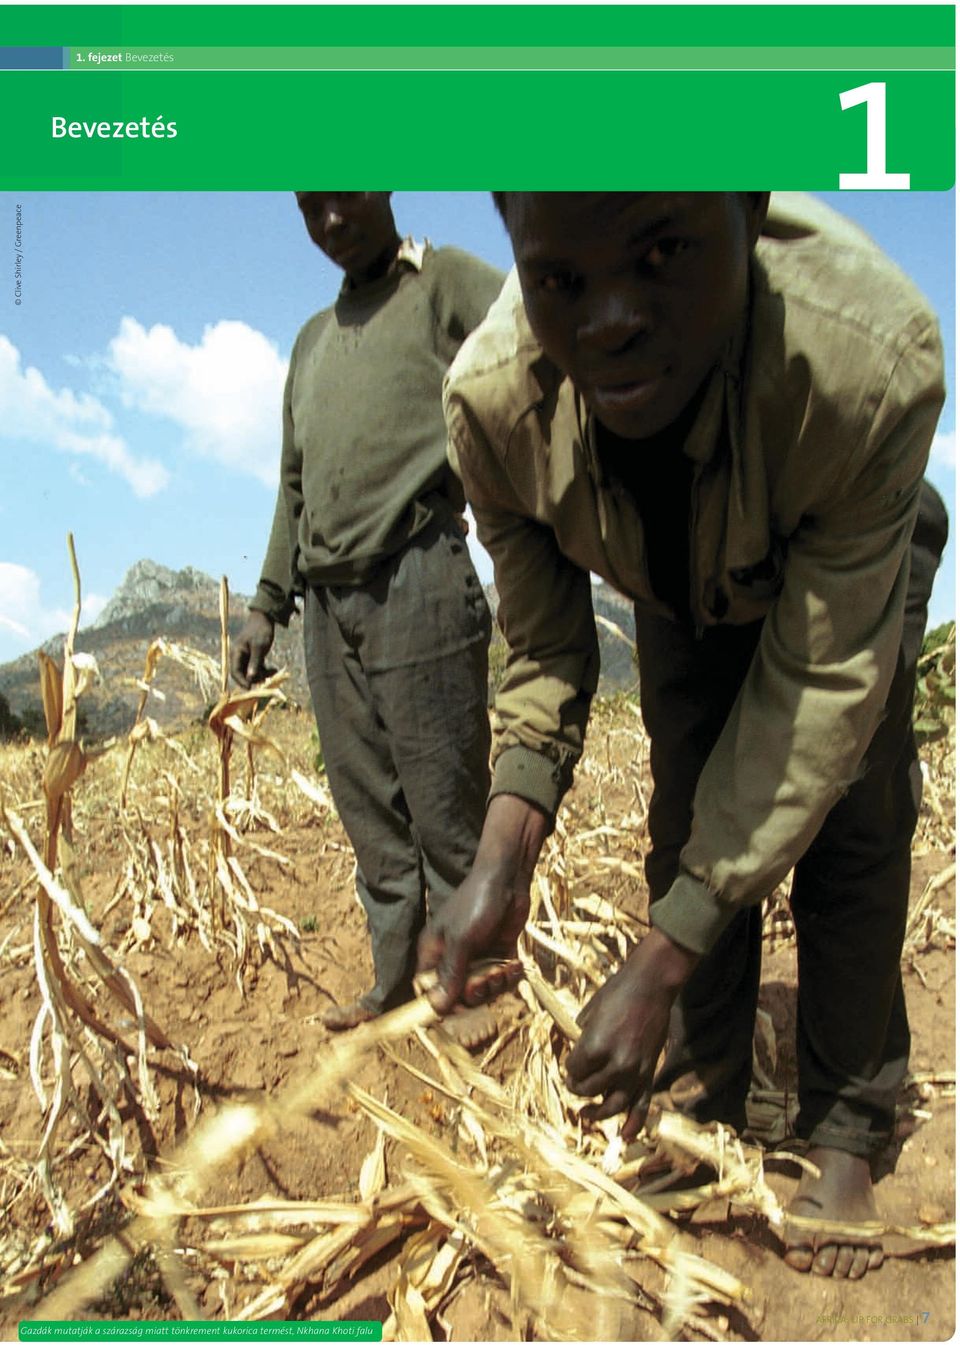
[353,228]
[634,295]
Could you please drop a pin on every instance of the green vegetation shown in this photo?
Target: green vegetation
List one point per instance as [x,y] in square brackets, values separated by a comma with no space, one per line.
[30,722]
[11,725]
[935,703]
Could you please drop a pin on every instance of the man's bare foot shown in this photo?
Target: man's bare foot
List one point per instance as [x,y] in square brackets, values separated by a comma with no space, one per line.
[843,1193]
[471,1028]
[342,1017]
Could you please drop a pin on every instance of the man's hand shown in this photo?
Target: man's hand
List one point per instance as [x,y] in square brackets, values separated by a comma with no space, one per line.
[486,914]
[624,1029]
[250,649]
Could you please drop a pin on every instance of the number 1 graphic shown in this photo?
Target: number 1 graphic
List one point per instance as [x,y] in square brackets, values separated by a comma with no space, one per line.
[876,176]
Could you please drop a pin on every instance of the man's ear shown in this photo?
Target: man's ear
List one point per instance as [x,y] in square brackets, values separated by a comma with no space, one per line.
[756,205]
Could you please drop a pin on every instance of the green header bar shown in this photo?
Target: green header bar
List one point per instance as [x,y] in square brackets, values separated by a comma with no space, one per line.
[468,130]
[153,59]
[497,25]
[199,1331]
[446,97]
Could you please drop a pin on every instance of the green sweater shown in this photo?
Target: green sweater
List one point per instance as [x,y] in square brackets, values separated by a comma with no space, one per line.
[363,466]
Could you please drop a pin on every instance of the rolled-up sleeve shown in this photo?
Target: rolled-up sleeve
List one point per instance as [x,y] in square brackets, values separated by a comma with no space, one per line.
[816,689]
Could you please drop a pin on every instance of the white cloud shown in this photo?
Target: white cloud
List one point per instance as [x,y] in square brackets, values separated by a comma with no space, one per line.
[20,610]
[93,605]
[944,449]
[22,613]
[225,392]
[32,412]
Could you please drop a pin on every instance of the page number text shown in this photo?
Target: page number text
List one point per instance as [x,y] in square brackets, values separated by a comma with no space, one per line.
[876,176]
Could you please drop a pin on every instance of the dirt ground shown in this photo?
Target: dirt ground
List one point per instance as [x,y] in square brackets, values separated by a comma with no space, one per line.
[263,1037]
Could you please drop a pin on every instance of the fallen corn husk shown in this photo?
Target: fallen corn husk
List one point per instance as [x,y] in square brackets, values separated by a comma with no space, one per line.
[541,1168]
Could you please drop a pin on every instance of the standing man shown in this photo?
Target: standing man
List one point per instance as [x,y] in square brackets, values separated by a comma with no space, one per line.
[368,530]
[726,415]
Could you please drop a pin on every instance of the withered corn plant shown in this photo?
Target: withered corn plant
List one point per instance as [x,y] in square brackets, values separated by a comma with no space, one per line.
[582,1233]
[201,882]
[76,1032]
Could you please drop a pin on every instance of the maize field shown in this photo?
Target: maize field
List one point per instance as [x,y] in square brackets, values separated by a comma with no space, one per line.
[181,1138]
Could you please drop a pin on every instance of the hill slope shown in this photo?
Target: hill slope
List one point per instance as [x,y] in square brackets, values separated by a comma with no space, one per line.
[183,606]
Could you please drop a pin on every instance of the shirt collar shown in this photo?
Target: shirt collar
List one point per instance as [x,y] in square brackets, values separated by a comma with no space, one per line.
[721,400]
[412,252]
[409,254]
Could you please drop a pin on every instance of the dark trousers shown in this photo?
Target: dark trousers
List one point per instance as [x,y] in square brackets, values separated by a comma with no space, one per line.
[398,677]
[849,897]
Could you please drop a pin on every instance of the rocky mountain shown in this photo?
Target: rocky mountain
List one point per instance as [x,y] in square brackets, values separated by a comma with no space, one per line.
[148,584]
[183,606]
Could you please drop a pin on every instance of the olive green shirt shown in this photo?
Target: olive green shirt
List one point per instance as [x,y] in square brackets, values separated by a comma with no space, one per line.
[808,452]
[363,465]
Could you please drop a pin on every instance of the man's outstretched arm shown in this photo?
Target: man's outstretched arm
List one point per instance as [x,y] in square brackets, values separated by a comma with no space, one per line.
[274,598]
[485,916]
[624,1024]
[625,1028]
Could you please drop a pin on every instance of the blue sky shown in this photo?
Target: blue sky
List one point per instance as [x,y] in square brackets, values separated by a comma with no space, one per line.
[140,377]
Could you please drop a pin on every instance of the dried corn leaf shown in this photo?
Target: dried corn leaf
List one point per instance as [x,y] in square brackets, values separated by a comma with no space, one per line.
[51,694]
[240,839]
[550,999]
[373,1170]
[314,791]
[53,889]
[574,957]
[739,1166]
[254,1246]
[921,1235]
[239,705]
[409,1311]
[431,1259]
[252,736]
[613,629]
[64,766]
[917,914]
[522,1255]
[254,1214]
